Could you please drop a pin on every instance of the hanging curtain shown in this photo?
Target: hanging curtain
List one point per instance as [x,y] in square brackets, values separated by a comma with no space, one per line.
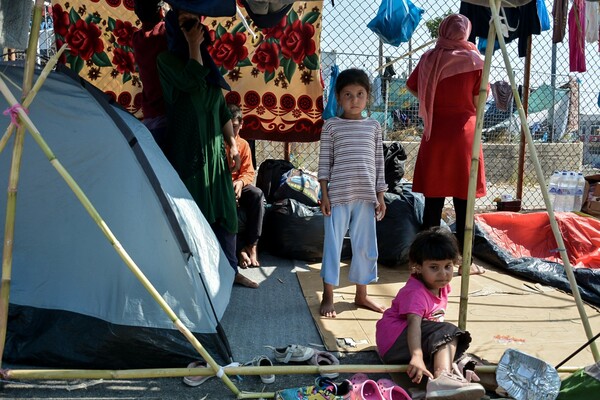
[274,75]
[99,38]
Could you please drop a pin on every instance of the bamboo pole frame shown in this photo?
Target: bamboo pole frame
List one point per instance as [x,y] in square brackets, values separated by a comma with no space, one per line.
[33,92]
[214,368]
[468,239]
[13,180]
[494,6]
[50,374]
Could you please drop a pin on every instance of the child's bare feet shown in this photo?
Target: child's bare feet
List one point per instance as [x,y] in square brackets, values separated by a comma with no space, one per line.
[363,300]
[242,280]
[252,255]
[243,259]
[327,309]
[367,302]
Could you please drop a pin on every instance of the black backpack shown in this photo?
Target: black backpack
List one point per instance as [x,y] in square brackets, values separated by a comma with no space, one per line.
[394,160]
[269,176]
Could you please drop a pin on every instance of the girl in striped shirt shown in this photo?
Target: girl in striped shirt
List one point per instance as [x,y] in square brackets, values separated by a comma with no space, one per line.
[352,184]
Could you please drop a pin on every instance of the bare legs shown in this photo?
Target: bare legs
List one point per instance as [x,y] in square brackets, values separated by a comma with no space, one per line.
[444,357]
[361,299]
[327,309]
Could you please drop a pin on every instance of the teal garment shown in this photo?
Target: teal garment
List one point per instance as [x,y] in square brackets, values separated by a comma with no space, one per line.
[196,113]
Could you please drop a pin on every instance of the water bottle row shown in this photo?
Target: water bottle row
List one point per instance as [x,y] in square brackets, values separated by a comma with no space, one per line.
[565,189]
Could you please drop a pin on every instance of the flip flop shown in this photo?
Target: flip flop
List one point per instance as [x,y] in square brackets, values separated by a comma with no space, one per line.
[198,379]
[325,358]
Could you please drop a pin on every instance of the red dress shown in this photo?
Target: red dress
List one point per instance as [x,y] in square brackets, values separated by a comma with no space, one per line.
[444,161]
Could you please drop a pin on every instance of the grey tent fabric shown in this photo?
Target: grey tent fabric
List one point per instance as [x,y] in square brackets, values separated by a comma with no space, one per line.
[14,23]
[73,301]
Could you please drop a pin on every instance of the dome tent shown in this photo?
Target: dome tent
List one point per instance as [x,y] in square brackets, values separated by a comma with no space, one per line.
[73,302]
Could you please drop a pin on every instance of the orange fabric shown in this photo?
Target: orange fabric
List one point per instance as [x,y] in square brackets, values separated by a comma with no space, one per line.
[100,50]
[246,172]
[530,235]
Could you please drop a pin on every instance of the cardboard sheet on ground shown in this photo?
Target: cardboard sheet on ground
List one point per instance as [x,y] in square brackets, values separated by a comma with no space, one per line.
[503,312]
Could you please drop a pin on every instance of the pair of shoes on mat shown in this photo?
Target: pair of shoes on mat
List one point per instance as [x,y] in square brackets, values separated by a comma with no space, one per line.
[384,389]
[196,380]
[293,352]
[325,358]
[263,361]
[450,386]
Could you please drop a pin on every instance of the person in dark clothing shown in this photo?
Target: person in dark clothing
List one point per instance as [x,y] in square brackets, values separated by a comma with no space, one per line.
[148,43]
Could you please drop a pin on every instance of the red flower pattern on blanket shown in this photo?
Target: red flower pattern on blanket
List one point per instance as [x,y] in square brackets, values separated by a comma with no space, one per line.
[274,72]
[98,34]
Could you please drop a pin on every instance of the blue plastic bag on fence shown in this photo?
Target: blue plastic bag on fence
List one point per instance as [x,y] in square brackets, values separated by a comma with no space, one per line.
[396,21]
[543,15]
[332,106]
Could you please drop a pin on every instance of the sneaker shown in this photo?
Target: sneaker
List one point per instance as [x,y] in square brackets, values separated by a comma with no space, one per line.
[264,361]
[453,387]
[293,352]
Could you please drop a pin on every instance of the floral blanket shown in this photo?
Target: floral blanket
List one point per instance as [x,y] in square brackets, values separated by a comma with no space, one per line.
[274,73]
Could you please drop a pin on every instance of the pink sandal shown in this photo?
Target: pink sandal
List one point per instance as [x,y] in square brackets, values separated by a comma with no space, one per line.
[391,390]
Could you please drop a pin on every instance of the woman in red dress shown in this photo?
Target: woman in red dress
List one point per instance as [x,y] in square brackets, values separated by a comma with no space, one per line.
[446,80]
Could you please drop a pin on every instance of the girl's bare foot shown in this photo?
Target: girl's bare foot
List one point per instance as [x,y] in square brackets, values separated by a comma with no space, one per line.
[244,260]
[367,302]
[242,280]
[327,309]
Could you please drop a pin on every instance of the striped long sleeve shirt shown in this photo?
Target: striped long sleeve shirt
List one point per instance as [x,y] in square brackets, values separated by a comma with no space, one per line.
[351,160]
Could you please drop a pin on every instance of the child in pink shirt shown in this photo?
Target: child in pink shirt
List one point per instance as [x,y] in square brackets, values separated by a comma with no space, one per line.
[412,331]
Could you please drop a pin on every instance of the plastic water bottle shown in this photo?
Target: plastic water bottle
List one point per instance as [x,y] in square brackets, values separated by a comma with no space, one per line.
[580,186]
[561,192]
[569,191]
[553,187]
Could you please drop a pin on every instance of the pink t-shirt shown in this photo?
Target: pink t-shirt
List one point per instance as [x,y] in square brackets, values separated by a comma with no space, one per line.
[413,298]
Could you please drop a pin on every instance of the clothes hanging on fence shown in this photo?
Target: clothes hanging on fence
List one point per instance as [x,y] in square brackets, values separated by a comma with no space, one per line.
[280,101]
[522,22]
[559,20]
[591,22]
[577,37]
[503,96]
[108,63]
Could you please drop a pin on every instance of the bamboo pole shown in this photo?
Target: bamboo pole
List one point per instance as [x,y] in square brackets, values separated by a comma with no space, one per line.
[32,93]
[155,373]
[112,239]
[541,180]
[13,180]
[472,188]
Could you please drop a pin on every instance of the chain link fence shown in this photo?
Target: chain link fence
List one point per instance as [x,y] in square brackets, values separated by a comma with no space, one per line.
[563,115]
[563,111]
